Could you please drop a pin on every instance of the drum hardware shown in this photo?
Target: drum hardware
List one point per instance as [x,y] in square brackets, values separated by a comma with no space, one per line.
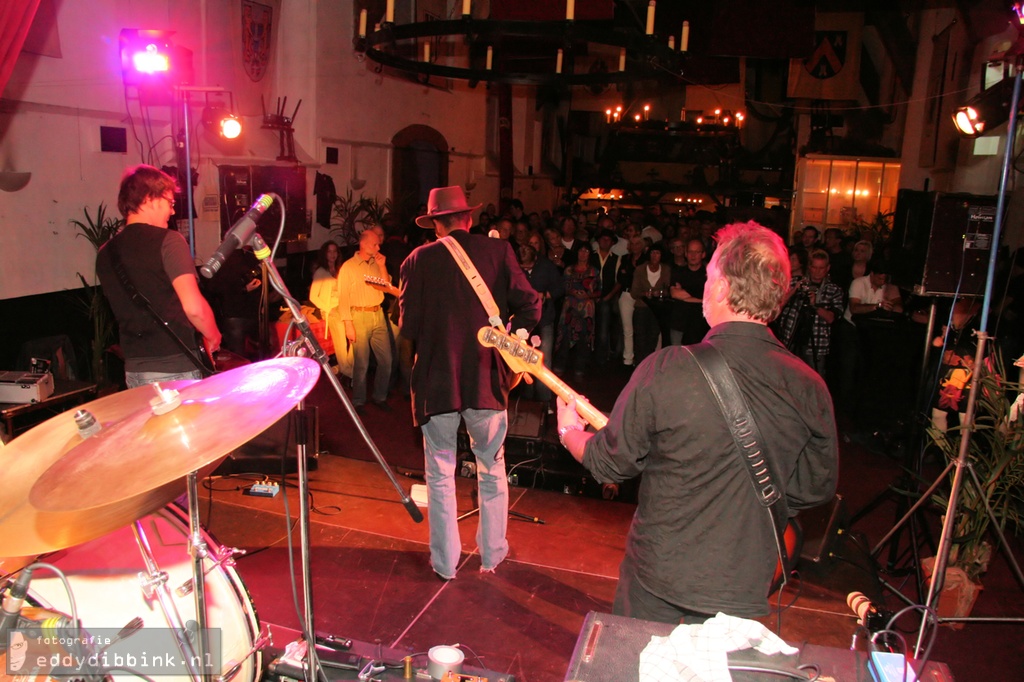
[156,580]
[263,640]
[225,556]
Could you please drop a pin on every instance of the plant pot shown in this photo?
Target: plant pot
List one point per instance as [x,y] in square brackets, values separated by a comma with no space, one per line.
[958,593]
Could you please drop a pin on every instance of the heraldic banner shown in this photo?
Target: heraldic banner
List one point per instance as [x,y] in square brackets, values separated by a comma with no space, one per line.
[257,22]
[832,71]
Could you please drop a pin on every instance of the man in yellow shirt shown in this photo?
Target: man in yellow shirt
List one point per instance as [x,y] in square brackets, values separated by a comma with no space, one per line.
[359,310]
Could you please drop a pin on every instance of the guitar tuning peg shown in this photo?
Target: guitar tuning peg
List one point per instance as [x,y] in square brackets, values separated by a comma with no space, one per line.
[522,334]
[535,341]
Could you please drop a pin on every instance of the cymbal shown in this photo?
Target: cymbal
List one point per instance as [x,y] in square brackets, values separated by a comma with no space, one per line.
[133,466]
[146,450]
[24,530]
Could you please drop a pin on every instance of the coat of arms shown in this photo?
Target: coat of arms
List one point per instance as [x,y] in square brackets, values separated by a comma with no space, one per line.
[829,56]
[256,24]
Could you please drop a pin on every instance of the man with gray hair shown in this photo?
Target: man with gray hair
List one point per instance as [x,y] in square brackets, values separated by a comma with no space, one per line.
[701,542]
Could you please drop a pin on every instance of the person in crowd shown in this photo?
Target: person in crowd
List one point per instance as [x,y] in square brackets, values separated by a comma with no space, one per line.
[628,267]
[810,239]
[155,262]
[236,293]
[701,542]
[840,261]
[455,378]
[366,328]
[576,326]
[650,290]
[558,254]
[545,278]
[606,263]
[798,262]
[568,230]
[956,348]
[686,322]
[870,296]
[812,306]
[323,293]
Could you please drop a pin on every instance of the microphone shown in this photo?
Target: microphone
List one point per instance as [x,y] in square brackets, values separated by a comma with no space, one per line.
[10,611]
[237,236]
[871,617]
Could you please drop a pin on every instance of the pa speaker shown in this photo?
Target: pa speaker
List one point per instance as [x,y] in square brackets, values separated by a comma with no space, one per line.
[946,240]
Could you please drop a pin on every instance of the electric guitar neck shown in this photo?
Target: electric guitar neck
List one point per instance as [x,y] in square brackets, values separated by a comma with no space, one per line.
[382,284]
[520,356]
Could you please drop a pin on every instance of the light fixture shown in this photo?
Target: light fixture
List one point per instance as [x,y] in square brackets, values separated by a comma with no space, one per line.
[223,122]
[988,109]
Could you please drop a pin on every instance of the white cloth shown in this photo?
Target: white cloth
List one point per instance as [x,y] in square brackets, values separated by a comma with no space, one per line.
[699,653]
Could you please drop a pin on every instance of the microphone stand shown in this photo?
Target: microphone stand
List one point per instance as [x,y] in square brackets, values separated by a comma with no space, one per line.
[311,345]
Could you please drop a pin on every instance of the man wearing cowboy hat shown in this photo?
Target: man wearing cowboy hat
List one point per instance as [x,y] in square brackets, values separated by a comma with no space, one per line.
[454,378]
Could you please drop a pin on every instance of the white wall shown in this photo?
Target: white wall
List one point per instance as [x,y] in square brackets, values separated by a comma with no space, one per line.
[52,110]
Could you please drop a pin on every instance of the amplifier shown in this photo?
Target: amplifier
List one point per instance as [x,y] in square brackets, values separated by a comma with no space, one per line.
[22,387]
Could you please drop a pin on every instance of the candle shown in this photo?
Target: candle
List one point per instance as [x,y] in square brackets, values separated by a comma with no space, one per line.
[647,111]
[362,23]
[650,17]
[608,115]
[389,12]
[684,42]
[466,7]
[671,42]
[570,10]
[622,59]
[558,62]
[637,118]
[426,51]
[490,57]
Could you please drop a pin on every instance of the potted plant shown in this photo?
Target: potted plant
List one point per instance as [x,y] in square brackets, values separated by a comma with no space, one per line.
[996,456]
[98,230]
[352,216]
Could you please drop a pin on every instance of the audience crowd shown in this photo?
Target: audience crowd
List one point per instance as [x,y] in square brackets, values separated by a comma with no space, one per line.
[618,285]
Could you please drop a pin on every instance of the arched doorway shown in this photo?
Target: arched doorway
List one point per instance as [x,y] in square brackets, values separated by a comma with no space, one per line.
[420,165]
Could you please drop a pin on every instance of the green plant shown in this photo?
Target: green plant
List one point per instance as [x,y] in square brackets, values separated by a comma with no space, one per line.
[878,228]
[351,216]
[98,230]
[996,456]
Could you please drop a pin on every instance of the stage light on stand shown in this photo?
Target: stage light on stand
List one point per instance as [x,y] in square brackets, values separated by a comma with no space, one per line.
[988,109]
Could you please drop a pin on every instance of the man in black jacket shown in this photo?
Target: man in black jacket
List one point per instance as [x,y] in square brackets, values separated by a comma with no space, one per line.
[454,378]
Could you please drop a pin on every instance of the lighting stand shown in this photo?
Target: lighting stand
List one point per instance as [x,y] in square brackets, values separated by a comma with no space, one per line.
[311,345]
[945,540]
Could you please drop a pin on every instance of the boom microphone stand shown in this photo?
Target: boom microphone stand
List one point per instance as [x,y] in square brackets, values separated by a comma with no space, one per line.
[263,253]
[945,540]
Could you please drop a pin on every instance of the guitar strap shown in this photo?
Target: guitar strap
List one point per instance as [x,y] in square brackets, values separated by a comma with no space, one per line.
[475,281]
[140,300]
[750,446]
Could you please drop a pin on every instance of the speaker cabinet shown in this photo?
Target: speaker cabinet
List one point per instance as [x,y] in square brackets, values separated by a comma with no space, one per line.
[241,185]
[946,241]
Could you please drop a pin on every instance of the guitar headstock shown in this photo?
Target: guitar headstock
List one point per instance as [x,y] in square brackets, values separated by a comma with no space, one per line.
[517,353]
[381,284]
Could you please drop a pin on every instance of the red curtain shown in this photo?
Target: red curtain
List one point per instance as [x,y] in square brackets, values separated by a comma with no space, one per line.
[15,19]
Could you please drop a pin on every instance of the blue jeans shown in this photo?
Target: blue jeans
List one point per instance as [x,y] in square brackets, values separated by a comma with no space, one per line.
[487,430]
[371,335]
[136,379]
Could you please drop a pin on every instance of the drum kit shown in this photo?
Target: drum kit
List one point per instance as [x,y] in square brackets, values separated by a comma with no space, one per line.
[90,492]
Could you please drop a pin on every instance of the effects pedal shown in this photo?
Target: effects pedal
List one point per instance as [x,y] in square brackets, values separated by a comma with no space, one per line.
[263,490]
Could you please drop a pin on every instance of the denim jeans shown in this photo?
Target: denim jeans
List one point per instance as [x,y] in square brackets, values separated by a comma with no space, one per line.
[136,379]
[487,430]
[371,336]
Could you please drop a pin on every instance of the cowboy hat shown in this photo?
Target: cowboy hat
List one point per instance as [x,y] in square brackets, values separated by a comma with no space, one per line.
[444,201]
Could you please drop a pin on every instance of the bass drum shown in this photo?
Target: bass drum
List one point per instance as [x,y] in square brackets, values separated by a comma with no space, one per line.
[104,576]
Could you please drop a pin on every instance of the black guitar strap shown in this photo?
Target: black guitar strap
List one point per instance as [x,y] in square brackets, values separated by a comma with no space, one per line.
[749,443]
[140,300]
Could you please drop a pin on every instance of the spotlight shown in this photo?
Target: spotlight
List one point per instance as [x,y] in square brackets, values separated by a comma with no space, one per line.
[153,64]
[987,110]
[223,122]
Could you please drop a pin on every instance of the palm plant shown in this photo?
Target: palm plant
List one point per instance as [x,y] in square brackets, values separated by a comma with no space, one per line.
[98,230]
[996,458]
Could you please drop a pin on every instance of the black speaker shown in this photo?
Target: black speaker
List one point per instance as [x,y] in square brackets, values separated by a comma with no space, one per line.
[945,242]
[241,185]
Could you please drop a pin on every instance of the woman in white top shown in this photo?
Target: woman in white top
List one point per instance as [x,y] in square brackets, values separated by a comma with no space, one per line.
[323,293]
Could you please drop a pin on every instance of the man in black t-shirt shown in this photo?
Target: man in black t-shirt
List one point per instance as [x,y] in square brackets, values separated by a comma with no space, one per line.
[157,263]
